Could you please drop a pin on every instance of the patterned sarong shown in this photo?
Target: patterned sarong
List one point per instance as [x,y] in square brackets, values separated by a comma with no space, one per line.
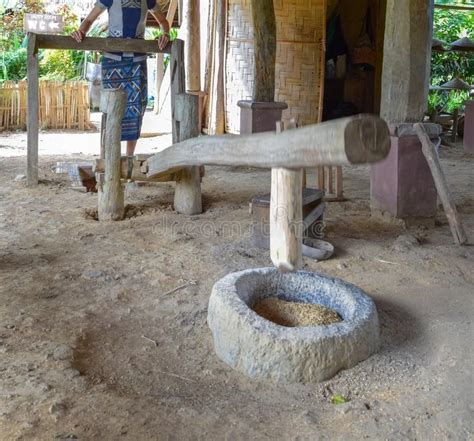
[130,76]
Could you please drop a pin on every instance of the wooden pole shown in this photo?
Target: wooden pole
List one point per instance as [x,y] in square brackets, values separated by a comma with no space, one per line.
[111,196]
[187,196]
[160,72]
[178,85]
[286,217]
[33,112]
[264,31]
[439,178]
[192,47]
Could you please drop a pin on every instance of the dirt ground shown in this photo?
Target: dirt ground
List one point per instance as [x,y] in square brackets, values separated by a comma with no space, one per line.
[94,346]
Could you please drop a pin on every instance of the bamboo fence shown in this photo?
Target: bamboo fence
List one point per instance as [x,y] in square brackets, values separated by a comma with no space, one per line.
[62,105]
[300,59]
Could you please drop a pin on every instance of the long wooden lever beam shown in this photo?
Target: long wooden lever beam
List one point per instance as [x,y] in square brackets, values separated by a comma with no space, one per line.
[358,139]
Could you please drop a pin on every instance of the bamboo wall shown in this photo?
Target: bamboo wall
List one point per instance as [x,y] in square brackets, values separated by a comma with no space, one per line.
[301,29]
[62,105]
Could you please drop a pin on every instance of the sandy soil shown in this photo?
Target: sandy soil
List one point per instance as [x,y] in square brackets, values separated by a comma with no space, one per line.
[94,347]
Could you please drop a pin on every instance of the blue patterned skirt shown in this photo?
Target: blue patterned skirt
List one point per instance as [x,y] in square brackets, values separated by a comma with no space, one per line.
[130,76]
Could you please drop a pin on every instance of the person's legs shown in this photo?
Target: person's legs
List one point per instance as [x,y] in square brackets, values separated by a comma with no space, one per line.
[131,147]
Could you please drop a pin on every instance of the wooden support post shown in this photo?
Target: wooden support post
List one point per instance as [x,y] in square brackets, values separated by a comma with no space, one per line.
[178,85]
[33,112]
[431,156]
[187,196]
[185,114]
[286,217]
[406,60]
[192,47]
[160,72]
[110,193]
[264,30]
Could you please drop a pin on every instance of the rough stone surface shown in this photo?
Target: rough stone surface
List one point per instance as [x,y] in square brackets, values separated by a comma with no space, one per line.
[405,242]
[263,350]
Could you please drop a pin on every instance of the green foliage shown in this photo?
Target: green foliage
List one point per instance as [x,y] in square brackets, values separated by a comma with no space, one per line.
[13,64]
[11,21]
[449,26]
[338,399]
[58,65]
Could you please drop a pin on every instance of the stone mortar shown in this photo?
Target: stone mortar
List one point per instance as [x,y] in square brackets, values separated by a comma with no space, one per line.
[264,350]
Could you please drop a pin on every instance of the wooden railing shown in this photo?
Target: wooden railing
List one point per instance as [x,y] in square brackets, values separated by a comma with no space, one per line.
[39,41]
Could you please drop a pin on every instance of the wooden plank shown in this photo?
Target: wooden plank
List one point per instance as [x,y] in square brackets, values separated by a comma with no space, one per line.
[100,44]
[111,196]
[439,178]
[358,139]
[43,23]
[33,112]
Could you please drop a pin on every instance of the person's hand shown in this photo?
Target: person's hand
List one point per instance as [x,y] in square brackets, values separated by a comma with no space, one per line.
[163,40]
[78,35]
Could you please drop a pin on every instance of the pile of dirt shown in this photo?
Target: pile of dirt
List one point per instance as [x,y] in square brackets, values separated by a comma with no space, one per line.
[294,314]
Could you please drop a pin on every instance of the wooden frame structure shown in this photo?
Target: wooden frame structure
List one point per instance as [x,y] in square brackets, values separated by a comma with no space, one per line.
[40,41]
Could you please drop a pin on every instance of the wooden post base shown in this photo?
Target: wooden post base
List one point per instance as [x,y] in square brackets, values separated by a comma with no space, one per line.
[111,198]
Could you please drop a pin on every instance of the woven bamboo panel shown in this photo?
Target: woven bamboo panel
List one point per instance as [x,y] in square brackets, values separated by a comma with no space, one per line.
[299,64]
[62,105]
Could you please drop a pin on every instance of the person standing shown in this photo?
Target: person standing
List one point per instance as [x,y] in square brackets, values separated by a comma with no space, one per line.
[125,70]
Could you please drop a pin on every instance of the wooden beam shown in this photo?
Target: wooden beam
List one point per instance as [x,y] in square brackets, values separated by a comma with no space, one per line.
[100,44]
[454,7]
[134,168]
[110,192]
[439,178]
[358,139]
[264,31]
[33,111]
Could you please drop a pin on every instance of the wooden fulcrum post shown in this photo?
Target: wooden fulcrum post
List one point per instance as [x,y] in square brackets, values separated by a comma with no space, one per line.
[286,215]
[110,191]
[185,124]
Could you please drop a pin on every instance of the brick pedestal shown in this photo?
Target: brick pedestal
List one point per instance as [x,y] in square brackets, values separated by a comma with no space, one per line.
[259,117]
[402,184]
